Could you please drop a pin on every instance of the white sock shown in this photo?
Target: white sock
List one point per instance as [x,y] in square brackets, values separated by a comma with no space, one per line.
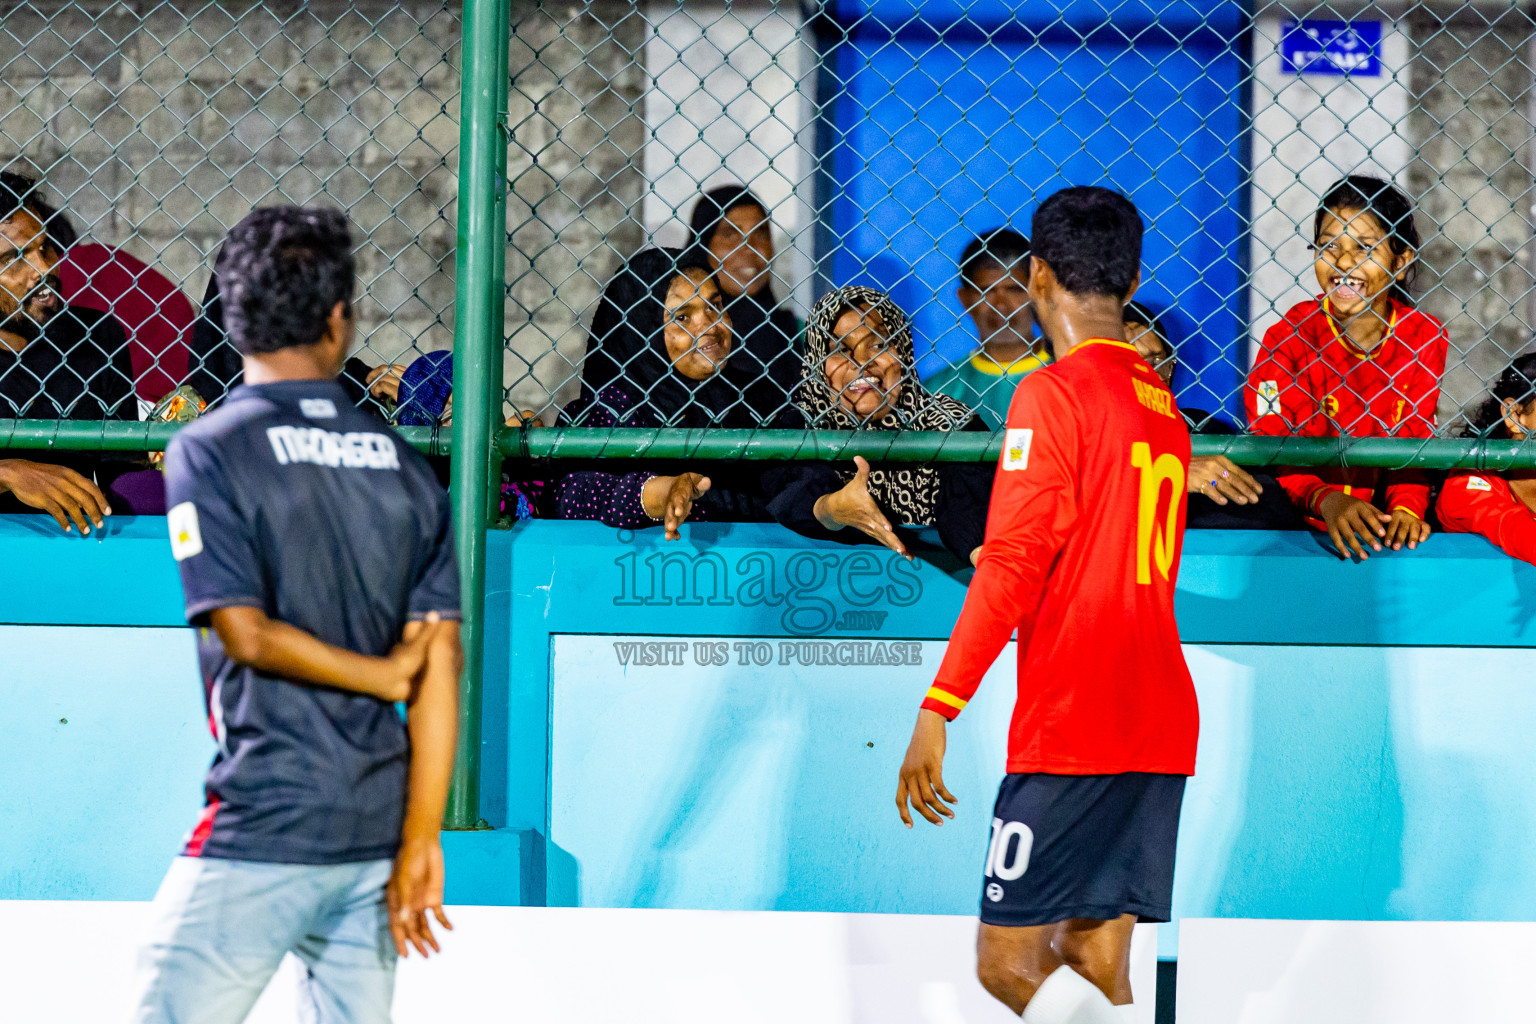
[1069,998]
[1128,1013]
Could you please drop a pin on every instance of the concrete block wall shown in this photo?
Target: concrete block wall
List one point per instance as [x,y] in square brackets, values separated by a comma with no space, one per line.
[161,124]
[158,125]
[1470,124]
[578,127]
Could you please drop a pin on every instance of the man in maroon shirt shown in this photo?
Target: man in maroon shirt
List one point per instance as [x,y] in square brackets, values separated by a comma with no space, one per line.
[1081,557]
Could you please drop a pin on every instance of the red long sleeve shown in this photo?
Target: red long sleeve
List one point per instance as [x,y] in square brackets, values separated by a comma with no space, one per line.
[1034,504]
[1310,381]
[1484,504]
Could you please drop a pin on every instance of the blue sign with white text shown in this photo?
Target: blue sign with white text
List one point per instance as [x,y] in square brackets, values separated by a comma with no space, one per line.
[1315,47]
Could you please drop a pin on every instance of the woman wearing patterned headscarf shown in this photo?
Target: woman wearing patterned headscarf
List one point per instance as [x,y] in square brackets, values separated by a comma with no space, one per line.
[660,340]
[858,375]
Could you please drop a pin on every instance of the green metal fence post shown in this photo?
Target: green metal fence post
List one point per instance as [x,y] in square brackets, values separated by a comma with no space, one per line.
[477,346]
[495,384]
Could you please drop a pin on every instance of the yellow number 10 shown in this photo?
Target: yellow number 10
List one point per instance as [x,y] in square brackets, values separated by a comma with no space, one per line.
[1154,473]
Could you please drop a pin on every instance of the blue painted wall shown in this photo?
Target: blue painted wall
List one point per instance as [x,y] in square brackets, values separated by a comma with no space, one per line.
[1365,746]
[938,126]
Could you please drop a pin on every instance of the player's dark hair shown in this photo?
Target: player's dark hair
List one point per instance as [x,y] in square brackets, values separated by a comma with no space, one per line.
[998,249]
[281,271]
[1516,384]
[1389,206]
[1090,237]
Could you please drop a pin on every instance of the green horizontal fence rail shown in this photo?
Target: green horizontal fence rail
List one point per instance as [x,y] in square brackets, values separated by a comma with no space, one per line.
[115,436]
[562,443]
[976,446]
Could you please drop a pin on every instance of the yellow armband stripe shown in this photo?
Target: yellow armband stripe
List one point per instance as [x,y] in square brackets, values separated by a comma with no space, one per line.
[934,693]
[1404,508]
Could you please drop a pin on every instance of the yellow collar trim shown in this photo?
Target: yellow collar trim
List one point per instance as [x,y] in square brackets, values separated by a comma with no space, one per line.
[984,363]
[1106,341]
[1350,346]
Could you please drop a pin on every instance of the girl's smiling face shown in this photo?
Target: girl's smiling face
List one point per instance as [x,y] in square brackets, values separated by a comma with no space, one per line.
[1356,264]
[697,331]
[862,370]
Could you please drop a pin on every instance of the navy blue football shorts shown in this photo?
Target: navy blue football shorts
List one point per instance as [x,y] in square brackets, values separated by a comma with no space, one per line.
[1081,846]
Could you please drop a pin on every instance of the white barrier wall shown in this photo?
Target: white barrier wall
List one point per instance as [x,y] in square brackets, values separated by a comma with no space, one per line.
[1354,972]
[64,962]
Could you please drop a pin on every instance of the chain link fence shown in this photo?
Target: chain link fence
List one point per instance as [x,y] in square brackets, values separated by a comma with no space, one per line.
[878,139]
[152,127]
[882,138]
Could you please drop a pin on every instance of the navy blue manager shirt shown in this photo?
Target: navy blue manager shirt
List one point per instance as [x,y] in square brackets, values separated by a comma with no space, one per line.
[290,499]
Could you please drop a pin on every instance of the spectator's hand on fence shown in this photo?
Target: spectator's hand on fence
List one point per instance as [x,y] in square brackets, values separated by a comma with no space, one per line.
[1351,521]
[1406,528]
[57,490]
[671,498]
[854,506]
[1222,480]
[384,381]
[524,418]
[922,772]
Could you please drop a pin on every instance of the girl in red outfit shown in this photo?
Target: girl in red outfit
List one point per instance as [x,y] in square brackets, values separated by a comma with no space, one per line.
[1501,507]
[1357,361]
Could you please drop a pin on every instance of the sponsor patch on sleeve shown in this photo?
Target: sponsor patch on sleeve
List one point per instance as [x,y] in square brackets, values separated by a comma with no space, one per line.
[1016,447]
[1477,483]
[186,537]
[1269,398]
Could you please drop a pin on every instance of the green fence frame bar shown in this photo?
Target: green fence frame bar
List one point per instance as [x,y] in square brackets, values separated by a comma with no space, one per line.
[799,445]
[975,446]
[116,436]
[478,341]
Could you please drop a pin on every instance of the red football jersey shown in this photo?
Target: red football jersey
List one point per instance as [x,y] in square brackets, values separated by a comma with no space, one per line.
[1311,381]
[1081,556]
[1483,503]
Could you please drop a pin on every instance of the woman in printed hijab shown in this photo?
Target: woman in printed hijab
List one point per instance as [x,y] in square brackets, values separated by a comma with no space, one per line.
[858,374]
[660,340]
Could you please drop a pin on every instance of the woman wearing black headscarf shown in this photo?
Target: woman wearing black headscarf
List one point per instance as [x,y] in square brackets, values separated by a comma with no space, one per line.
[660,341]
[731,231]
[858,375]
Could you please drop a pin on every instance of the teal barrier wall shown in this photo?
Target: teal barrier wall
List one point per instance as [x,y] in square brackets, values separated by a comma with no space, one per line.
[1364,750]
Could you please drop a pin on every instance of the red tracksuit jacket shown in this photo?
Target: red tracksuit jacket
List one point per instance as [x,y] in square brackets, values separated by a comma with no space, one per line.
[1311,381]
[1483,503]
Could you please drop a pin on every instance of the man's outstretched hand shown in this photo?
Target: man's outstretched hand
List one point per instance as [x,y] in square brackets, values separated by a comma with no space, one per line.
[922,773]
[415,887]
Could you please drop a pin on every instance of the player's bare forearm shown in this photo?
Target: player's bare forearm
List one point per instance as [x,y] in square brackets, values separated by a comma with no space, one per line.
[432,716]
[268,645]
[415,887]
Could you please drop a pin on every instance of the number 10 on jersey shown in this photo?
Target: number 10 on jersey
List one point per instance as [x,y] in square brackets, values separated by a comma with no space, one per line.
[1150,541]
